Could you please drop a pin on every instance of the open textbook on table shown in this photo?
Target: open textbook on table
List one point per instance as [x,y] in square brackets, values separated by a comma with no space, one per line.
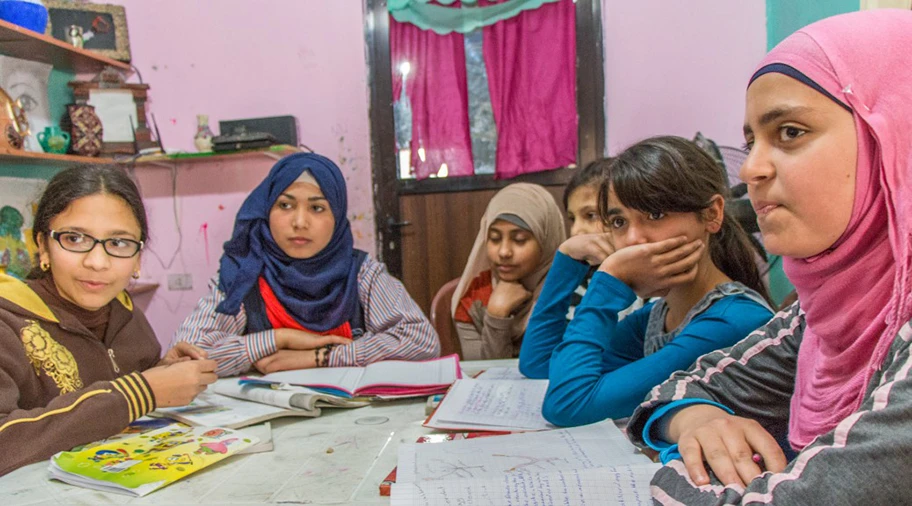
[388,378]
[227,403]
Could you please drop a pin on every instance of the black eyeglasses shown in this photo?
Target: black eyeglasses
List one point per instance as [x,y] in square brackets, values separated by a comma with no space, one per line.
[84,243]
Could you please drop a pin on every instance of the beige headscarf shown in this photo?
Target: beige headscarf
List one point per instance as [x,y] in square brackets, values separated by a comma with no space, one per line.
[535,206]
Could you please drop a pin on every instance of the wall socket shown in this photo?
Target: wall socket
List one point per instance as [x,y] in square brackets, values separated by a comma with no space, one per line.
[178,282]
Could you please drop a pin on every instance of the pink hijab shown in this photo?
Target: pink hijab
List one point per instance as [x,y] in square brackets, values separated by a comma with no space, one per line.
[855,295]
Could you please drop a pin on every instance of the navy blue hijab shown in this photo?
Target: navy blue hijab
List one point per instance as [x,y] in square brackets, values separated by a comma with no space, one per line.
[320,292]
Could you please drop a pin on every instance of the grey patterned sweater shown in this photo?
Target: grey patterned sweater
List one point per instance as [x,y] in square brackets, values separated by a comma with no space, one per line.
[862,461]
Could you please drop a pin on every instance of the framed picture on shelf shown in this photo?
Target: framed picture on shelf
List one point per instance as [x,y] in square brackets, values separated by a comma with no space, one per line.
[121,108]
[99,28]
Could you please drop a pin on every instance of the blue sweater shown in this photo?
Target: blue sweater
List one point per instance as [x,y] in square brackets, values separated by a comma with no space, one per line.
[598,367]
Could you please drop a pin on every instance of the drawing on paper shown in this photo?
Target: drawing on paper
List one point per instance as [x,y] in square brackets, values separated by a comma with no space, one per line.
[532,463]
[14,253]
[457,469]
[27,82]
[18,200]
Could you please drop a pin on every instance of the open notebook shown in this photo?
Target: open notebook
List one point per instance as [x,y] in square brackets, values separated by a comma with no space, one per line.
[389,378]
[230,404]
[590,465]
[509,405]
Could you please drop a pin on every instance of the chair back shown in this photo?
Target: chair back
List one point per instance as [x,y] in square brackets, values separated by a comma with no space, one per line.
[442,319]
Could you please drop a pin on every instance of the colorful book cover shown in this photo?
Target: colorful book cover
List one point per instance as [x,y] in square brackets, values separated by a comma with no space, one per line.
[146,462]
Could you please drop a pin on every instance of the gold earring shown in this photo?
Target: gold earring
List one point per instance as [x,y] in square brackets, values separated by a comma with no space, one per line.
[136,275]
[45,266]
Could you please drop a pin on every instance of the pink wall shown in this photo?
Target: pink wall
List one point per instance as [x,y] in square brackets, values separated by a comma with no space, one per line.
[238,59]
[678,67]
[670,68]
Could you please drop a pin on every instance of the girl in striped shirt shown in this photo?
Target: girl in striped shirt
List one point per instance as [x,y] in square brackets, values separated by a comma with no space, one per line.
[293,293]
[814,407]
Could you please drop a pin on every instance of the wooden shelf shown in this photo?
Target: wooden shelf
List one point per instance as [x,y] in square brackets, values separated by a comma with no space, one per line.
[10,156]
[274,153]
[138,288]
[23,43]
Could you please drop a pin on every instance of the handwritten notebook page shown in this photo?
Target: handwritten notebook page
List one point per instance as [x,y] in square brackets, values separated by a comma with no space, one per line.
[623,485]
[590,446]
[595,462]
[498,404]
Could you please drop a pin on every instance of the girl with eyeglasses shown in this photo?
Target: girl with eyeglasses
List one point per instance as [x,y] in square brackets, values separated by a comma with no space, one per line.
[78,362]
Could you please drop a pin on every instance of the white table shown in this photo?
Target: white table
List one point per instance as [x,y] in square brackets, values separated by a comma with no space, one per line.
[338,458]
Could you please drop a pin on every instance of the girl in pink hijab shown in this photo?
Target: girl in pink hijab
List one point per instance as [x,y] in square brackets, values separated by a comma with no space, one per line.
[815,407]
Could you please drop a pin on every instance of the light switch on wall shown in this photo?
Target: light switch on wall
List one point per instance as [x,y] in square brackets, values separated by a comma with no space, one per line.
[180,282]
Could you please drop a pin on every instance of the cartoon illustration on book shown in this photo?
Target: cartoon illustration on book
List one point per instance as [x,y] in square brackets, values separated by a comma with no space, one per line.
[178,459]
[145,462]
[215,447]
[102,455]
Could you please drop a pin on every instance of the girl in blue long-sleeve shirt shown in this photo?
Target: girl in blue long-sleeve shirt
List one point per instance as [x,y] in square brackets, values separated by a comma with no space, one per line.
[581,204]
[663,205]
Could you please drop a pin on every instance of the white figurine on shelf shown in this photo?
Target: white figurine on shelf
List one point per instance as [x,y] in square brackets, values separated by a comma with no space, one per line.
[75,36]
[203,138]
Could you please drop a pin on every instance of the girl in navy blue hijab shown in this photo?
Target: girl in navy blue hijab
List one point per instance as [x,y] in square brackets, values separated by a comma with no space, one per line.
[318,291]
[292,291]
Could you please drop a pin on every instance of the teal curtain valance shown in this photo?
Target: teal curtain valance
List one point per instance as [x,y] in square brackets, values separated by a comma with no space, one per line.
[469,17]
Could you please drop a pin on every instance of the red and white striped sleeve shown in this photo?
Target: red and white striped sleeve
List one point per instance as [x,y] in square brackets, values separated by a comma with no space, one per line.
[221,335]
[396,329]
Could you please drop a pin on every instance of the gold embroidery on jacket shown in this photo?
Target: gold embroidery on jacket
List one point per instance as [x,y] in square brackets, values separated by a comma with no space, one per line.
[46,353]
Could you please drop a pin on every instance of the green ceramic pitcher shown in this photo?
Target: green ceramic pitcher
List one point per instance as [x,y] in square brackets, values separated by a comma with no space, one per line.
[54,140]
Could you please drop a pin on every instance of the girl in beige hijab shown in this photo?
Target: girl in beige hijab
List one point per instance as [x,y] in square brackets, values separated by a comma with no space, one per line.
[519,234]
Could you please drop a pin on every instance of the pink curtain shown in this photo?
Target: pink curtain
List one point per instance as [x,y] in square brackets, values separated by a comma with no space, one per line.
[436,87]
[531,64]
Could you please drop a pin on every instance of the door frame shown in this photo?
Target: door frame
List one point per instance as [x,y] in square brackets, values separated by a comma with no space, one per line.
[387,187]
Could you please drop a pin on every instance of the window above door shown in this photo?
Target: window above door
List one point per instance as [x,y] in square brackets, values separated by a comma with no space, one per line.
[392,116]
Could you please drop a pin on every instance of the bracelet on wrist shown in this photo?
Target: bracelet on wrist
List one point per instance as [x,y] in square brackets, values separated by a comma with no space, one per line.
[321,355]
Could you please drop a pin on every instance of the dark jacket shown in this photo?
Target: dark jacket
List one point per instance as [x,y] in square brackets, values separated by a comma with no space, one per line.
[60,386]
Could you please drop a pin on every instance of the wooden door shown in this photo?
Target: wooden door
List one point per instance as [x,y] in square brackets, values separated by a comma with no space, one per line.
[426,229]
[437,243]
